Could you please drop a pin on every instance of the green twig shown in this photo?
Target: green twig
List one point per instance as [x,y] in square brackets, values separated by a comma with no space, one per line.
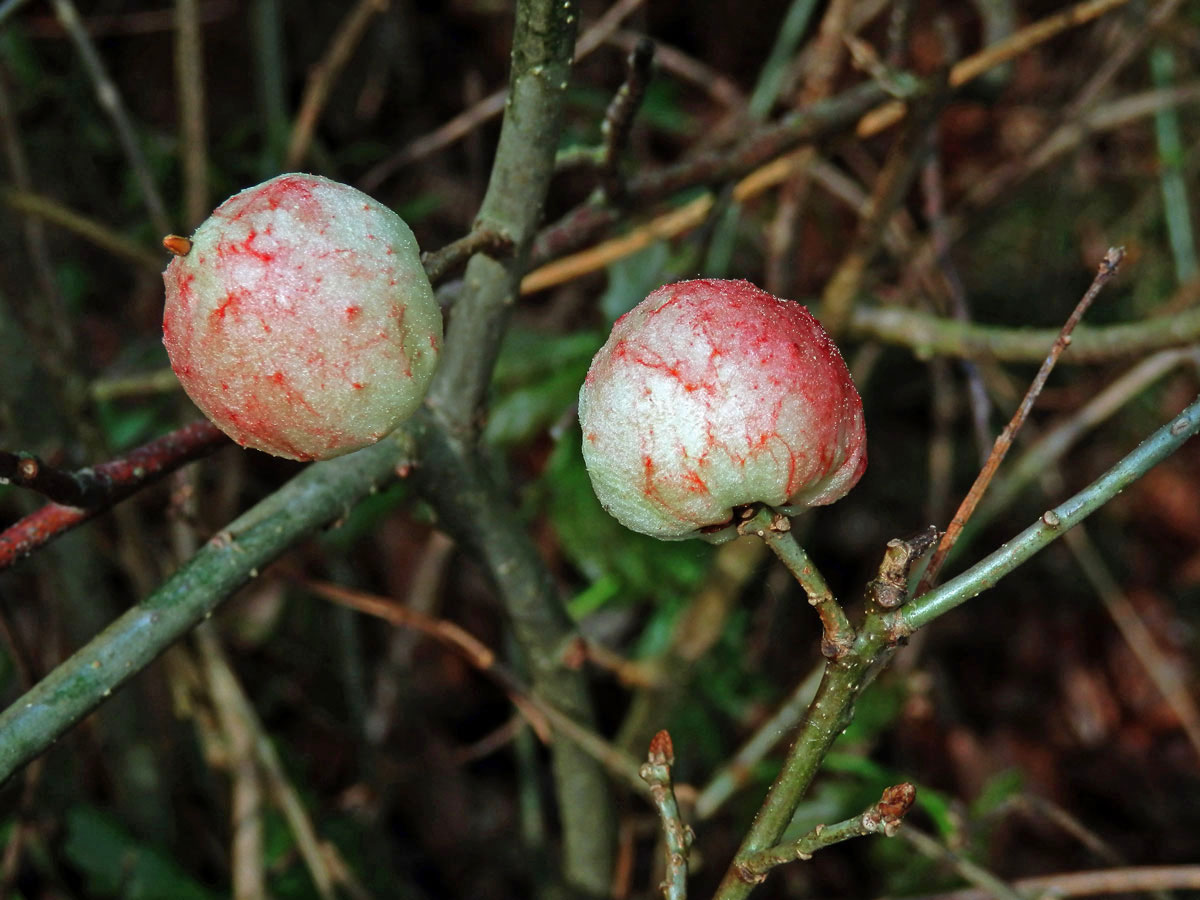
[1176,208]
[735,773]
[846,678]
[929,335]
[453,475]
[970,872]
[884,816]
[656,772]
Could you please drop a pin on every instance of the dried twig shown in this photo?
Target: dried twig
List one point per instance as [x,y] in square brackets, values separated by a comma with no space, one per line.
[112,104]
[193,137]
[1108,269]
[325,73]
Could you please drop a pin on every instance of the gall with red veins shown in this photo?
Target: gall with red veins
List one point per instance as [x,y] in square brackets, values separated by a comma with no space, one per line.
[713,394]
[300,319]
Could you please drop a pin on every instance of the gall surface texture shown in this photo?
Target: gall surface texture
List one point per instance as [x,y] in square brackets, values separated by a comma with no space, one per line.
[301,321]
[713,394]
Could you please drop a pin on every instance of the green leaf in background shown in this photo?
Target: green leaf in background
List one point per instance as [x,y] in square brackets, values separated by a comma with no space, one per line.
[116,864]
[600,547]
[537,380]
[632,278]
[874,778]
[126,425]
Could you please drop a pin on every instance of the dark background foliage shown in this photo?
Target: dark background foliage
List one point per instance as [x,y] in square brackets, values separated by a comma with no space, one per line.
[1020,709]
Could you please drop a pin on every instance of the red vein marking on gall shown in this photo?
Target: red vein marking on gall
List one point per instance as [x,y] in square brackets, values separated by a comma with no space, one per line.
[713,394]
[300,320]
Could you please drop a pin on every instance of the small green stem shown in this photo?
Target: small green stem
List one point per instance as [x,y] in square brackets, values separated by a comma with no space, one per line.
[656,772]
[776,529]
[884,816]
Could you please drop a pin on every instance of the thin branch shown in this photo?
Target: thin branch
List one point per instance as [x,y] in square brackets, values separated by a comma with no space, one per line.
[87,492]
[540,715]
[453,474]
[490,106]
[618,118]
[736,773]
[929,335]
[970,872]
[440,263]
[1106,272]
[924,332]
[845,678]
[1137,880]
[193,133]
[104,237]
[1052,524]
[656,772]
[324,75]
[110,101]
[1137,635]
[883,817]
[903,161]
[997,54]
[246,789]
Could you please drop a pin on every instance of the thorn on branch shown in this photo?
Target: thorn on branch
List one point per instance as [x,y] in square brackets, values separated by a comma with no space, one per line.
[890,588]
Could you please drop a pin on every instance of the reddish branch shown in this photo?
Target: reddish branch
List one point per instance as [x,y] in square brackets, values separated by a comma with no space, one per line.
[78,496]
[1105,273]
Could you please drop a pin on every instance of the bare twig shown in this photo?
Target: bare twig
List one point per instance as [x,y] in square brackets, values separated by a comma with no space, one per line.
[193,136]
[1091,884]
[104,237]
[489,107]
[246,801]
[902,164]
[325,73]
[970,871]
[618,118]
[997,54]
[536,711]
[110,101]
[1139,638]
[736,772]
[440,263]
[1108,269]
